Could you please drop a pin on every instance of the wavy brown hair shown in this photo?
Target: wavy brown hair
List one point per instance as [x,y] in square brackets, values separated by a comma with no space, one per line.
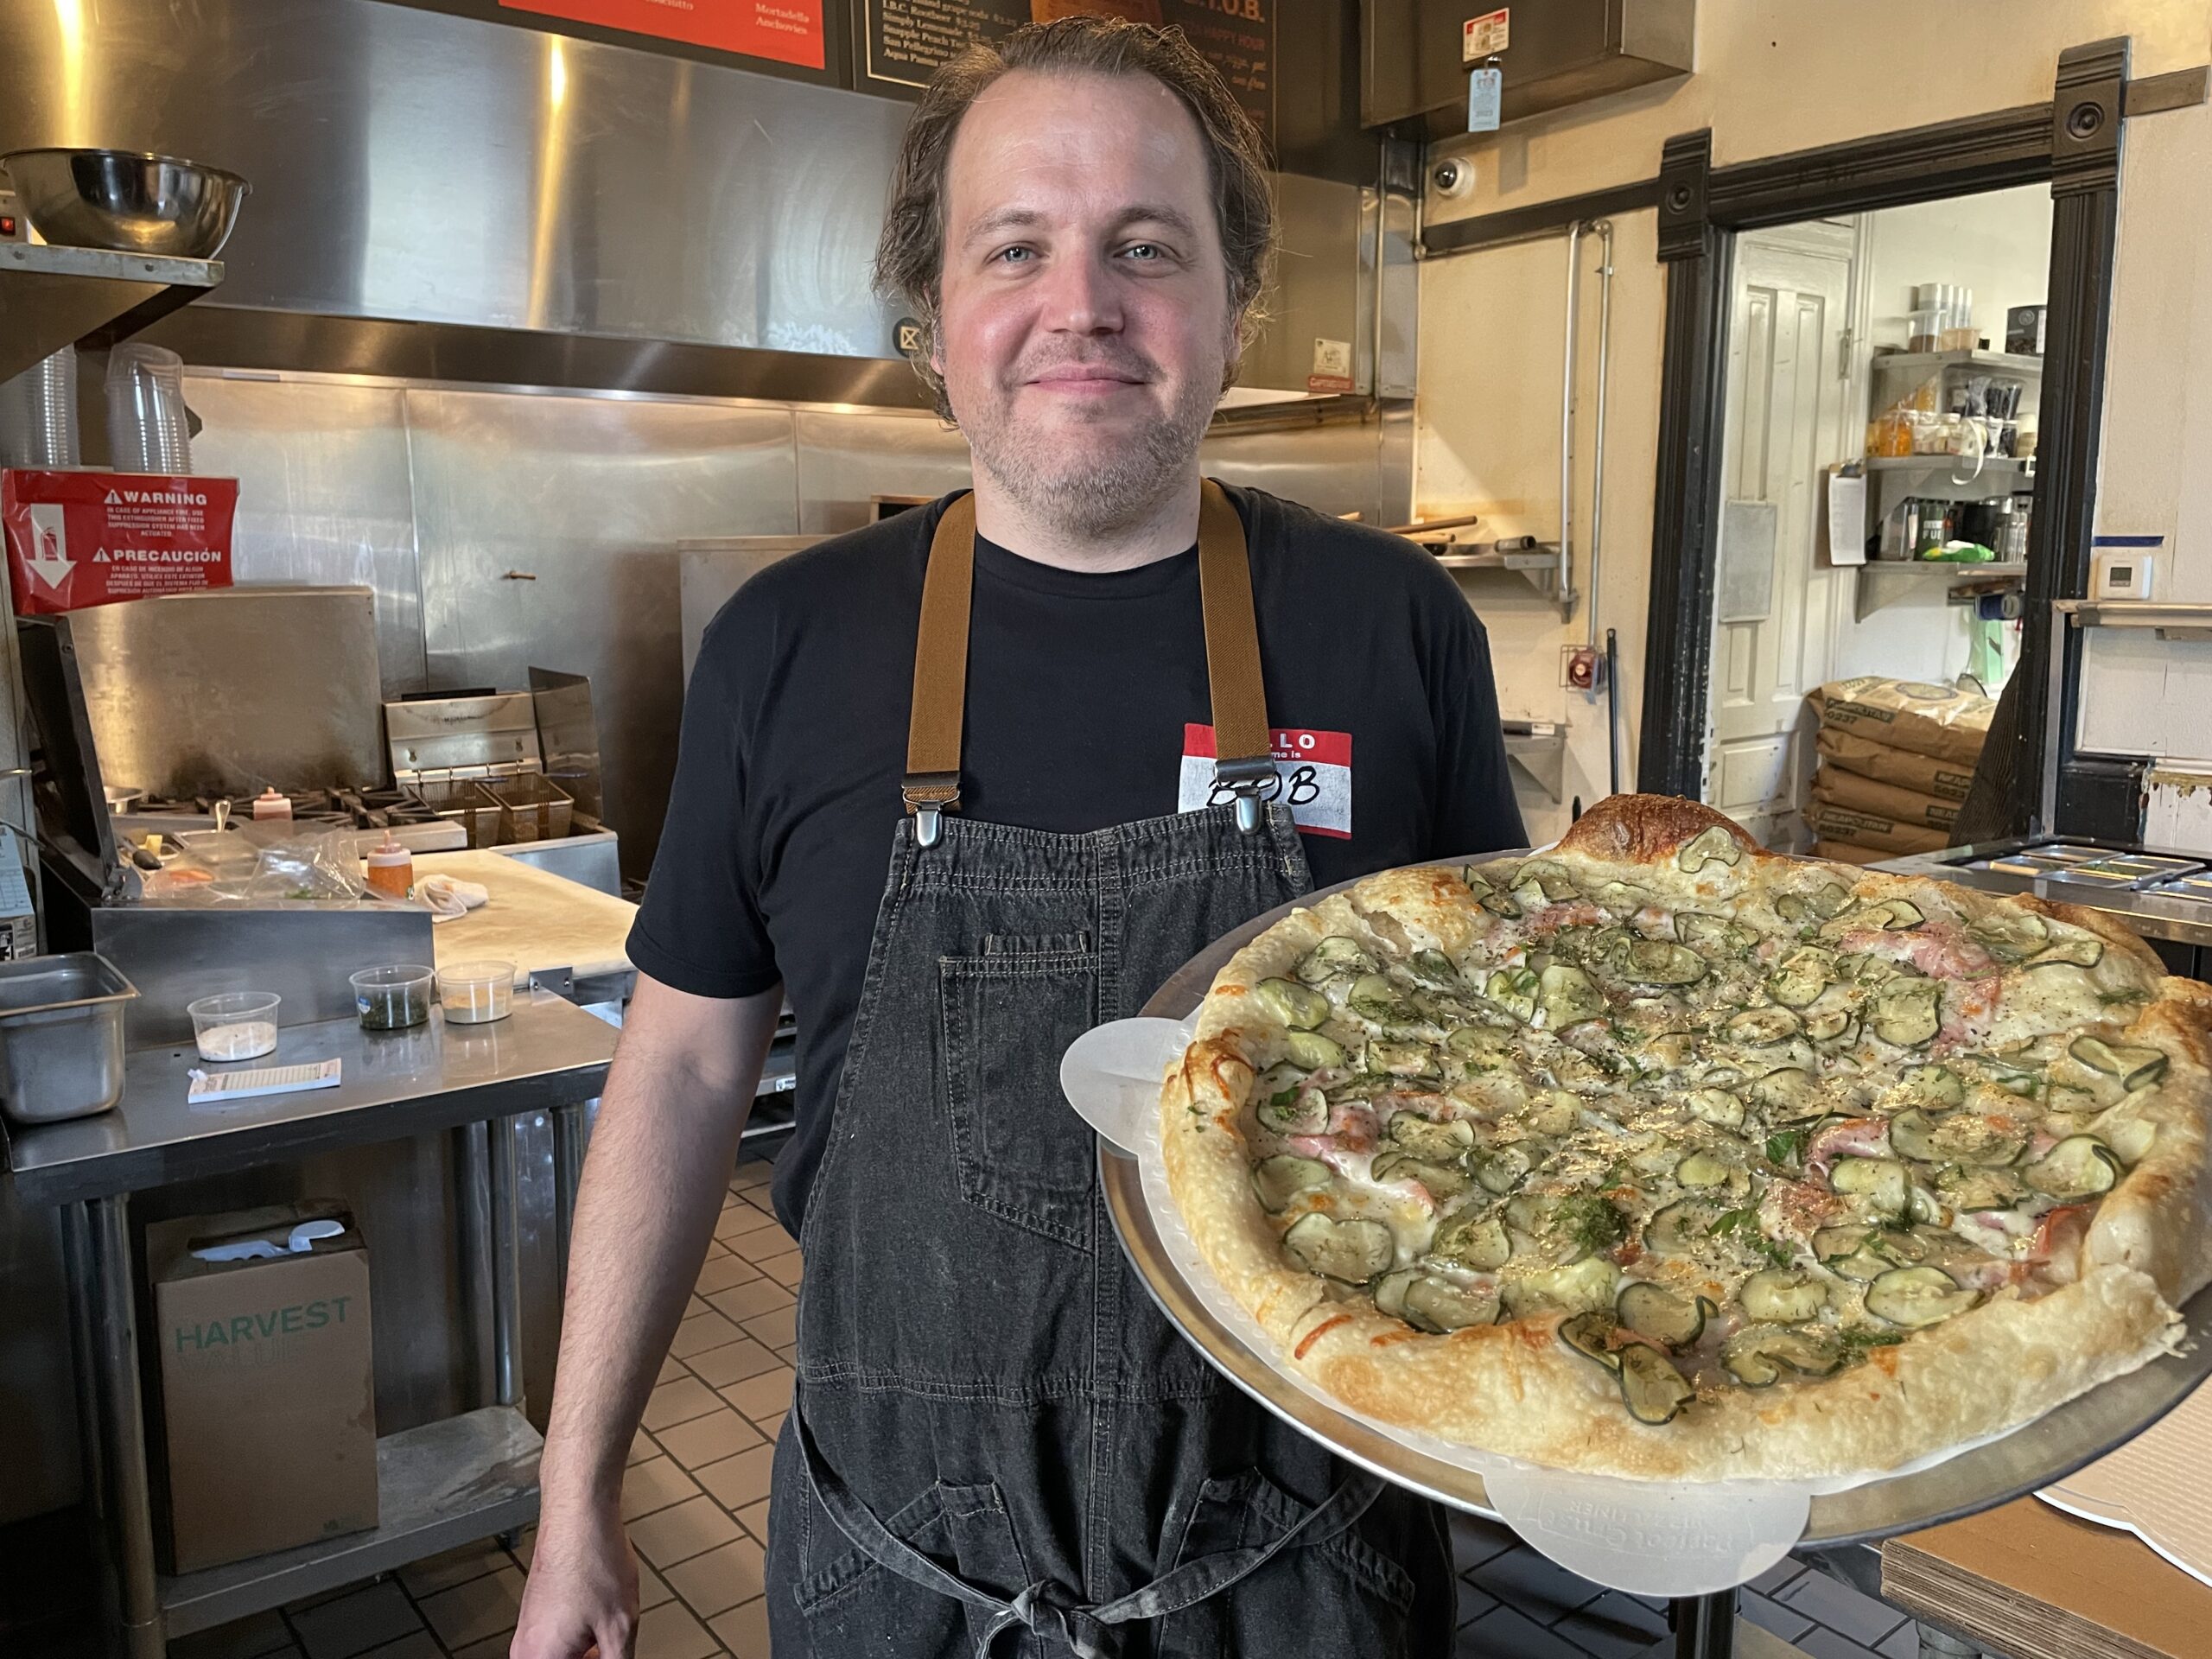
[910,254]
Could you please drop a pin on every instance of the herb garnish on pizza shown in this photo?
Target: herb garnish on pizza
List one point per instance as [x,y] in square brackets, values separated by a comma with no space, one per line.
[1660,1155]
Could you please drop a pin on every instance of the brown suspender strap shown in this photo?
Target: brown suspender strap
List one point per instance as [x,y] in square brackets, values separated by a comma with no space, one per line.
[1241,743]
[1240,702]
[940,703]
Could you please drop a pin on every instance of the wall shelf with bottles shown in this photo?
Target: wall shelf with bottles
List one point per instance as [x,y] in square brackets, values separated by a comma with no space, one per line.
[1882,581]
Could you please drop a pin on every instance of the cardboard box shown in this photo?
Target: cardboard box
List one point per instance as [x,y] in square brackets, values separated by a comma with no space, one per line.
[1838,787]
[268,1391]
[1922,774]
[1888,836]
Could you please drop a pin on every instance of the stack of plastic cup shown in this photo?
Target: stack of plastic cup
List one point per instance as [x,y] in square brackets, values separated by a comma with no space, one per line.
[38,414]
[146,429]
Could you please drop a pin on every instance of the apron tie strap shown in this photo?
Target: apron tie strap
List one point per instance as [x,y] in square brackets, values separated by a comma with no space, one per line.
[1065,1625]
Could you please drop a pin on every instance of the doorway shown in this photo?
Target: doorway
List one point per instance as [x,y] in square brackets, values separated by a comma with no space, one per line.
[1876,490]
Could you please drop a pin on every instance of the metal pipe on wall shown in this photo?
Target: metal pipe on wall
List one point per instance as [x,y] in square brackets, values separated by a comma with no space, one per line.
[1566,414]
[1604,230]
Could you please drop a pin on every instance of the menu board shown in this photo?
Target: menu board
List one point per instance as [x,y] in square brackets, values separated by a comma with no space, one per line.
[783,31]
[906,40]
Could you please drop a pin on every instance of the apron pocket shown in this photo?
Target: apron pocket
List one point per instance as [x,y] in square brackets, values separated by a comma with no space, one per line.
[852,1603]
[1021,1153]
[1339,1596]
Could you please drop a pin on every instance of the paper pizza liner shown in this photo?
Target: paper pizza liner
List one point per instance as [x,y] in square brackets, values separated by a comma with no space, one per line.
[1647,1537]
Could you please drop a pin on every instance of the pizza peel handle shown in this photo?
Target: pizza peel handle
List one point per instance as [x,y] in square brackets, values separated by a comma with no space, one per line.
[1111,1073]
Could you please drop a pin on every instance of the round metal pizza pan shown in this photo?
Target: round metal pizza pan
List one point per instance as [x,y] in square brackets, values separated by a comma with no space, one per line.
[2042,1452]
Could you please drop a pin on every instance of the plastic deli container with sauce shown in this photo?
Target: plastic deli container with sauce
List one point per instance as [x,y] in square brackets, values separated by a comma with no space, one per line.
[393,998]
[477,993]
[237,1026]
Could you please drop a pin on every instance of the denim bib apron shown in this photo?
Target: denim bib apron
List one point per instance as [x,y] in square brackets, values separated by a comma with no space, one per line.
[998,1445]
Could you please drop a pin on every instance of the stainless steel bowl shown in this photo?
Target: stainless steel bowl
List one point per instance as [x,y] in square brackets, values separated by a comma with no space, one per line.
[127,201]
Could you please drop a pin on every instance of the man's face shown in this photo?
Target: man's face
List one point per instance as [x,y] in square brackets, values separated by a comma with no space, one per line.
[1084,323]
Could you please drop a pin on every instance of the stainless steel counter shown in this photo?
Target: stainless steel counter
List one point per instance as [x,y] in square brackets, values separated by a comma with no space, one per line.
[445,1481]
[2153,912]
[547,1054]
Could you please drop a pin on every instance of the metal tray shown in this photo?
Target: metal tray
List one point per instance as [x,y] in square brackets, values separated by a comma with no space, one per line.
[2042,1452]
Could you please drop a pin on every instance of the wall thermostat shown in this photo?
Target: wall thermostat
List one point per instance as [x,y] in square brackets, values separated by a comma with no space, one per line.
[2121,572]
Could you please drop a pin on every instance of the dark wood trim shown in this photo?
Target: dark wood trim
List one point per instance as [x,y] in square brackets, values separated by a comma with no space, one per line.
[1951,158]
[1540,219]
[1677,644]
[2085,141]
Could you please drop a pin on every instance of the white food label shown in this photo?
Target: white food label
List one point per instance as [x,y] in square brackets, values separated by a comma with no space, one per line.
[1313,778]
[1486,36]
[1332,357]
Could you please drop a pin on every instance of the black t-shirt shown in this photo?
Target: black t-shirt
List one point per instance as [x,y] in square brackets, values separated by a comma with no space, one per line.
[1081,690]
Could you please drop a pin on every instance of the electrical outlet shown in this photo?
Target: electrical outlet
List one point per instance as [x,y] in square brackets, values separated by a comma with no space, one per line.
[1580,668]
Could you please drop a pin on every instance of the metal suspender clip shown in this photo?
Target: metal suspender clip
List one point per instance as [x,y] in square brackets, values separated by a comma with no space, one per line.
[930,796]
[1251,782]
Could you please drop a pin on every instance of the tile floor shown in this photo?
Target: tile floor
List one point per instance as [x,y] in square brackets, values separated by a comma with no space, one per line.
[696,1495]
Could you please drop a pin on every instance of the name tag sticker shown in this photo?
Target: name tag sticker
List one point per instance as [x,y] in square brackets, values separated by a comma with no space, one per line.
[1313,778]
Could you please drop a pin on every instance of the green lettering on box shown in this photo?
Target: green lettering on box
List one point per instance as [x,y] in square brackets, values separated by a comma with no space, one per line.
[289,1319]
[318,1314]
[241,1327]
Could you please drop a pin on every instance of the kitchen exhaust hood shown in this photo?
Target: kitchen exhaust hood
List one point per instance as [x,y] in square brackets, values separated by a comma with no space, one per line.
[442,198]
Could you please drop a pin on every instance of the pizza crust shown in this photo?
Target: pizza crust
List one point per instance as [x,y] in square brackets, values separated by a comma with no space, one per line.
[1513,1388]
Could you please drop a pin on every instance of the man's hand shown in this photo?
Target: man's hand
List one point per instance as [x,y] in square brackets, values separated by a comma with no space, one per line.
[583,1590]
[662,1150]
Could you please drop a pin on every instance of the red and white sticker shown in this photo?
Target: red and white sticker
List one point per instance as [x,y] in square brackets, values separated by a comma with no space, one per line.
[1313,773]
[1486,36]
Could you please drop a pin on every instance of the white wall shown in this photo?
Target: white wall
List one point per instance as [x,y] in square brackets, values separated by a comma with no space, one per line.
[2141,694]
[1492,341]
[1997,244]
[1776,76]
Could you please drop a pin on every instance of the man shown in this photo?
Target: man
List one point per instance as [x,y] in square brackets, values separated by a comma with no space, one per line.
[995,1433]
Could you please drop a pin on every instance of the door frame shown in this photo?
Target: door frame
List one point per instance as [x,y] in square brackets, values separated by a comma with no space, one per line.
[2074,143]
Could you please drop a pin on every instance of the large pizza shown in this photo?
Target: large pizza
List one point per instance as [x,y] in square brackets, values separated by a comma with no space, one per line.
[1660,1155]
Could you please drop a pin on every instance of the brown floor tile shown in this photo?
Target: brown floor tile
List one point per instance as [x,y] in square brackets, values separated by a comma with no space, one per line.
[735,1482]
[750,1301]
[772,1426]
[671,1368]
[758,1196]
[753,1517]
[788,1353]
[242,1638]
[352,1624]
[428,1576]
[652,1589]
[736,1217]
[774,1329]
[785,1270]
[421,1645]
[675,1402]
[768,1394]
[700,1333]
[731,1363]
[717,1249]
[482,1607]
[673,1536]
[718,1580]
[491,1647]
[709,1439]
[753,1173]
[654,1485]
[641,1444]
[744,1631]
[526,1547]
[723,1272]
[670,1631]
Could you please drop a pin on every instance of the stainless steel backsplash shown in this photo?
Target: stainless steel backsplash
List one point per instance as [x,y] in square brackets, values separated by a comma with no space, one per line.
[502,530]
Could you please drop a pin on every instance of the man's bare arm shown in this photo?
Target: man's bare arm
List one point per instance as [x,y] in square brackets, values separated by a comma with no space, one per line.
[661,1151]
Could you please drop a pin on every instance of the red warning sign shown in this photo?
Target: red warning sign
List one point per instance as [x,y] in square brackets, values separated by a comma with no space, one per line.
[76,539]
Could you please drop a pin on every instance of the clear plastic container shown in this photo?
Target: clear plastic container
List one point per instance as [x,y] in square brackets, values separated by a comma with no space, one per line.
[148,430]
[393,998]
[236,1026]
[38,414]
[477,993]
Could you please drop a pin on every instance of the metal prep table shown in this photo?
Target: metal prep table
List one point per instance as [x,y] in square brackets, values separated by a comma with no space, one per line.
[442,1483]
[2168,902]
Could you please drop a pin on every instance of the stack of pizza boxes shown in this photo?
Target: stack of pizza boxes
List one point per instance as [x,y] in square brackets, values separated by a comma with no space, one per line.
[1895,759]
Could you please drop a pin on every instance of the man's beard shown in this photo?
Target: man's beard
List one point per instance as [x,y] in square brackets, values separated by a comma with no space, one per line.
[1094,492]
